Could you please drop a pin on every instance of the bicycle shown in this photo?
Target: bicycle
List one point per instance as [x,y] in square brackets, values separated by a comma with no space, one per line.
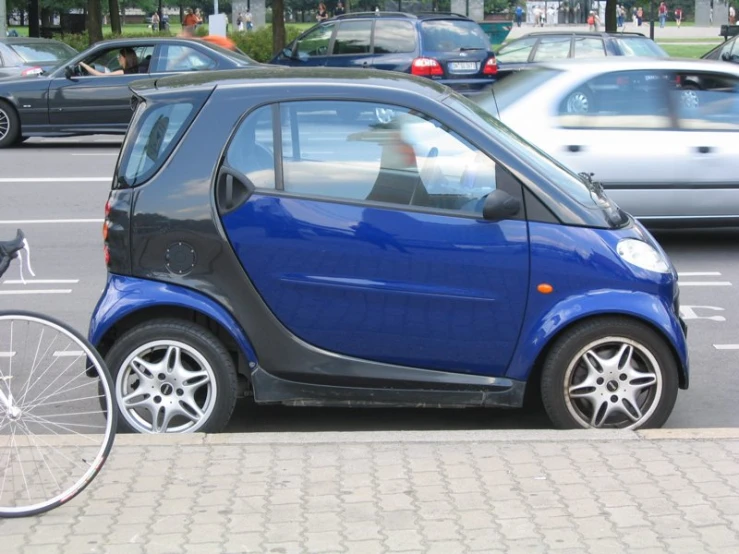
[57,413]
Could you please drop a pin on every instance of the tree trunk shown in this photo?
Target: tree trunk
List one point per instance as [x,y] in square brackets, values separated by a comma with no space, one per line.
[33,26]
[94,21]
[278,25]
[611,23]
[115,16]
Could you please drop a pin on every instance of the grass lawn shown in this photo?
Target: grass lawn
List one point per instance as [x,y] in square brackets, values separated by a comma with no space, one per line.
[686,50]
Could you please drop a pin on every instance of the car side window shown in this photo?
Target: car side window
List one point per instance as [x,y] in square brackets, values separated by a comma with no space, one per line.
[619,100]
[394,37]
[379,153]
[251,150]
[107,60]
[714,106]
[517,51]
[316,42]
[184,58]
[353,37]
[586,47]
[552,48]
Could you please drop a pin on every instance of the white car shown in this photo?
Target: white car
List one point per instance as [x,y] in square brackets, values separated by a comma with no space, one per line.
[662,136]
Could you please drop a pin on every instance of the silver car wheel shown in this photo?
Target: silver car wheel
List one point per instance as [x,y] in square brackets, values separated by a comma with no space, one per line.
[4,124]
[166,386]
[384,115]
[689,99]
[613,382]
[578,102]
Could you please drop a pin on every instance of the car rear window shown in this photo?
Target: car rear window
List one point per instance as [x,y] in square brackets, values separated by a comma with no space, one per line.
[442,35]
[152,135]
[639,47]
[43,52]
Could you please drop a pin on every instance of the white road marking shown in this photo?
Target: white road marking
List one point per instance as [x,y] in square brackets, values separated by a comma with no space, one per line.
[38,291]
[699,274]
[726,346]
[56,179]
[41,282]
[46,221]
[705,283]
[7,354]
[688,313]
[67,353]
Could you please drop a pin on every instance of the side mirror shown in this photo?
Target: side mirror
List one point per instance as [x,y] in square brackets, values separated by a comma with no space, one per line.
[500,205]
[726,57]
[287,52]
[69,72]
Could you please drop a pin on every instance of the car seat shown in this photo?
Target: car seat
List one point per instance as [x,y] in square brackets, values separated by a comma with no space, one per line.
[144,65]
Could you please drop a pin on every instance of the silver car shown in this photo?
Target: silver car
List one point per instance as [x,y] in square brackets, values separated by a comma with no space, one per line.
[661,135]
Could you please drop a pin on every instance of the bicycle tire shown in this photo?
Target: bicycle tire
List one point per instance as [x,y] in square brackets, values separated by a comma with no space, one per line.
[24,405]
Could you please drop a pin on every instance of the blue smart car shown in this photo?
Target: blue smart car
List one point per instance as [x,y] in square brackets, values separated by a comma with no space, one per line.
[417,254]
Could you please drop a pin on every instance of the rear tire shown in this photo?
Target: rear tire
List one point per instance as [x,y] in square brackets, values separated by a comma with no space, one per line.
[609,373]
[172,376]
[10,125]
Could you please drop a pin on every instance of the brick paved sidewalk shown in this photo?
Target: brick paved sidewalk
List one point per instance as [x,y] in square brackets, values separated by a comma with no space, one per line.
[447,492]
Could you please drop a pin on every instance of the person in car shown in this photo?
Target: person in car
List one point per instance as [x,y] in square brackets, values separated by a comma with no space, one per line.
[127,59]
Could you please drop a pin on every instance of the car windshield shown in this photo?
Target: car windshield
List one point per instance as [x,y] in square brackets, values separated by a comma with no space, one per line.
[640,47]
[573,185]
[515,87]
[43,52]
[446,35]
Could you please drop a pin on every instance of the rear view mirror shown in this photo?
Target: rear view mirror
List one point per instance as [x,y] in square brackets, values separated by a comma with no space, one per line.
[500,205]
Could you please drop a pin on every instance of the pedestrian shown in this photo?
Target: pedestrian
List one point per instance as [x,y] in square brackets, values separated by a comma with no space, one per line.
[249,20]
[591,21]
[639,16]
[538,17]
[198,18]
[619,16]
[678,16]
[321,14]
[732,15]
[552,15]
[188,23]
[240,23]
[519,15]
[155,22]
[339,9]
[662,14]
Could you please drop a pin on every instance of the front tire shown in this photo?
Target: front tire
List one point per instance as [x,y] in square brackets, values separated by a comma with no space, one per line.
[172,376]
[10,125]
[609,373]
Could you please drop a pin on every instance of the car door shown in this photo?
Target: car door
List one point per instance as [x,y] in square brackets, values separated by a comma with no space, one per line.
[619,126]
[395,44]
[367,239]
[709,123]
[98,103]
[352,45]
[311,49]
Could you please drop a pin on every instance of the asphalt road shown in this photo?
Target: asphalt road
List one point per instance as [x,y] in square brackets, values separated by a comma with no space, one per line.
[56,189]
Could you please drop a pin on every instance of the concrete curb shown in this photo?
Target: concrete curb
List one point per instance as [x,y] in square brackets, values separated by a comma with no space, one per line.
[394,437]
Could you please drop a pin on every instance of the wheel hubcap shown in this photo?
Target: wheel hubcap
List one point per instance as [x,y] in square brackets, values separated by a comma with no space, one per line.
[690,99]
[4,124]
[578,103]
[166,387]
[613,382]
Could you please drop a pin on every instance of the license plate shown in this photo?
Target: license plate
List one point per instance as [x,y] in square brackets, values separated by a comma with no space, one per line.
[463,66]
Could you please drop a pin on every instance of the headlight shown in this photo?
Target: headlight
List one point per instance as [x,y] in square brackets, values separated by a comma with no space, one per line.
[641,254]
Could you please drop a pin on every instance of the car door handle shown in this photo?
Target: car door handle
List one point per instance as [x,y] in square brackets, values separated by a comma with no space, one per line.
[233,190]
[704,149]
[574,148]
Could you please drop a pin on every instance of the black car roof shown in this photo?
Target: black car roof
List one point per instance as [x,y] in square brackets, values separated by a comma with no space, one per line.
[403,15]
[292,76]
[581,34]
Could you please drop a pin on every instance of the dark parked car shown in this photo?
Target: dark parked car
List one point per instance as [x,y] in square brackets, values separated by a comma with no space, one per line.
[257,244]
[447,48]
[558,45]
[727,51]
[66,101]
[23,57]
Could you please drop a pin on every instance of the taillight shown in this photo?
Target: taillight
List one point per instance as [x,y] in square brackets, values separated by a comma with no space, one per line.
[31,71]
[107,208]
[426,67]
[491,67]
[106,253]
[106,225]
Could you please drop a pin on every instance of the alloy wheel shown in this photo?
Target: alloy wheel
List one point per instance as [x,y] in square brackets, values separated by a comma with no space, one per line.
[689,99]
[4,124]
[578,102]
[166,387]
[614,382]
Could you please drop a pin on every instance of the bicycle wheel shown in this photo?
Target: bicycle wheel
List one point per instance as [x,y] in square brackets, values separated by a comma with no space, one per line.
[57,414]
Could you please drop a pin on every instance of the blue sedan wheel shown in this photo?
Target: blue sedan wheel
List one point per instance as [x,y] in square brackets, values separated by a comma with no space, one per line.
[610,373]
